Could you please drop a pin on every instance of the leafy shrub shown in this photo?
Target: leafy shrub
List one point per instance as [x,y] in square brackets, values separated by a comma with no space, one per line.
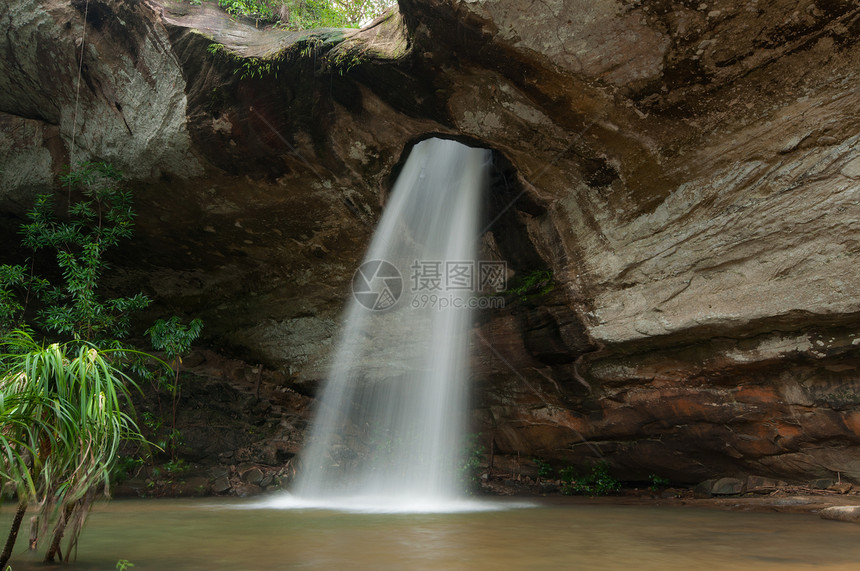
[544,468]
[473,457]
[173,338]
[598,482]
[64,400]
[307,14]
[97,221]
[657,482]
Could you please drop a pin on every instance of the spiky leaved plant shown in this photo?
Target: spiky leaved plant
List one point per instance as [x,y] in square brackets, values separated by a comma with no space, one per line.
[64,419]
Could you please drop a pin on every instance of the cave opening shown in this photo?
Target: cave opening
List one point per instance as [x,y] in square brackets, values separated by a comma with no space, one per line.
[507,206]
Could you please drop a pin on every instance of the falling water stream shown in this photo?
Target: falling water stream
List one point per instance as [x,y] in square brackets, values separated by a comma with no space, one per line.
[390,421]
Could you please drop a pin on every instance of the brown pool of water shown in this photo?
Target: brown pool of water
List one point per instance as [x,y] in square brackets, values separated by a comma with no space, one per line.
[212,534]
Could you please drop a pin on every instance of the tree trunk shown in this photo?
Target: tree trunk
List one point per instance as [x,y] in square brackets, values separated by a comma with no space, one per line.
[59,530]
[13,534]
[34,532]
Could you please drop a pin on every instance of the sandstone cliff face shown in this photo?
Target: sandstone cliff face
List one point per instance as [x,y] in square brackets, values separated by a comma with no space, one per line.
[689,173]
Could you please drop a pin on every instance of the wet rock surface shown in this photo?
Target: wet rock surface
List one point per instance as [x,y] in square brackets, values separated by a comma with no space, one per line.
[688,174]
[239,428]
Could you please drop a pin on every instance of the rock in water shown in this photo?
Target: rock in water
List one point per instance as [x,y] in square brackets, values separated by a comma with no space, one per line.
[850,514]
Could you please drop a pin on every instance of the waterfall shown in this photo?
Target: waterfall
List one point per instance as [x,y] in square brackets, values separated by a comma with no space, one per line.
[389,427]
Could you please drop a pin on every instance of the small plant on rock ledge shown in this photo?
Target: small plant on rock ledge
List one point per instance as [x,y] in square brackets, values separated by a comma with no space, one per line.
[544,468]
[247,67]
[470,471]
[657,483]
[598,482]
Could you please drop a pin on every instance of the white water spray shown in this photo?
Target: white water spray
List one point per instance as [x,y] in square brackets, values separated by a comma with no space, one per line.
[388,435]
